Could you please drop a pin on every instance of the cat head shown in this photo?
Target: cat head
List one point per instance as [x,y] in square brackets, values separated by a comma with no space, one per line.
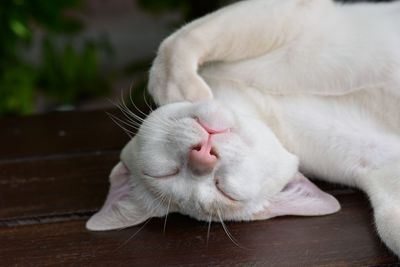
[206,161]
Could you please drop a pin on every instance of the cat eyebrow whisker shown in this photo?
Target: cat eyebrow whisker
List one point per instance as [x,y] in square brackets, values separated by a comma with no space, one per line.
[131,120]
[126,113]
[130,115]
[135,121]
[134,124]
[128,132]
[160,121]
[121,122]
[138,109]
[147,103]
[133,103]
[128,124]
[122,105]
[148,124]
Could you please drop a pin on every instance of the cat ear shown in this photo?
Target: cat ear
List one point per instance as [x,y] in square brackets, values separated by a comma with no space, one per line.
[119,211]
[299,197]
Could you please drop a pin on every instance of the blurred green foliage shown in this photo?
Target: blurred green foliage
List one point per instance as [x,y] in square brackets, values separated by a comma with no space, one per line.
[68,75]
[65,73]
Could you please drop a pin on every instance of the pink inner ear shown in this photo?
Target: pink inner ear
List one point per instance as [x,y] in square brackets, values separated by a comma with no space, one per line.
[120,186]
[120,209]
[299,197]
[110,216]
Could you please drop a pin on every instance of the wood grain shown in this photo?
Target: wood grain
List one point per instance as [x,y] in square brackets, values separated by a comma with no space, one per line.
[54,187]
[58,134]
[344,239]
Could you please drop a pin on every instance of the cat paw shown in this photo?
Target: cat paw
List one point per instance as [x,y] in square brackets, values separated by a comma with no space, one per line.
[174,77]
[169,90]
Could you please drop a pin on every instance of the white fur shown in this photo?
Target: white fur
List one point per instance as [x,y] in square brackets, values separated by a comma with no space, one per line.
[282,47]
[305,80]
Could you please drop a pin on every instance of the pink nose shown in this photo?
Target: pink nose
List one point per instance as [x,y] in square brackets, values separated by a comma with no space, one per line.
[202,158]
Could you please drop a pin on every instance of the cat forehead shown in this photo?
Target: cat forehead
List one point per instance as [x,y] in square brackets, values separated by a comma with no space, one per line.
[172,109]
[162,121]
[156,117]
[182,109]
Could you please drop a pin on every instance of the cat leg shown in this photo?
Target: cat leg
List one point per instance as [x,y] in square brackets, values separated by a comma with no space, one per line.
[244,30]
[383,189]
[378,175]
[363,157]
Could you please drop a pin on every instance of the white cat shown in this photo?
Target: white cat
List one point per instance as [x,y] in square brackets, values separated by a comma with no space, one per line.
[283,85]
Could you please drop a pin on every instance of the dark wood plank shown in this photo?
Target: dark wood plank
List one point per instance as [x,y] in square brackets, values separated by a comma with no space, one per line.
[344,239]
[59,134]
[54,187]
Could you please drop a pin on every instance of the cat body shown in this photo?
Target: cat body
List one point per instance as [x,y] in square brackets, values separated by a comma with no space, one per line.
[335,137]
[295,86]
[283,47]
[341,139]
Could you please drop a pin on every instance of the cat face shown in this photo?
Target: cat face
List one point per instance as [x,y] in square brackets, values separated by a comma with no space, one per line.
[210,160]
[203,160]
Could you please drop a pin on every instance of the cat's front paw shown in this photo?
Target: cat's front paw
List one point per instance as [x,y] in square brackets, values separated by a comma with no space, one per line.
[173,76]
[181,88]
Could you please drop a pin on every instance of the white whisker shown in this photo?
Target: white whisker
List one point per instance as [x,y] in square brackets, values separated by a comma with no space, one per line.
[134,127]
[160,201]
[135,122]
[166,216]
[128,132]
[209,228]
[230,236]
[147,103]
[132,236]
[125,113]
[133,103]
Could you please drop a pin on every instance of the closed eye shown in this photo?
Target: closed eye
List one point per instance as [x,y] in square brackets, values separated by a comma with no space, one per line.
[163,176]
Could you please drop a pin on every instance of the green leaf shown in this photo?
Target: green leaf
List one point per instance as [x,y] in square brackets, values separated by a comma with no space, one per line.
[20,29]
[17,90]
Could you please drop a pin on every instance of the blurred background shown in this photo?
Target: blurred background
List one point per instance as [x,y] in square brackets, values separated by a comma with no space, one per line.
[79,54]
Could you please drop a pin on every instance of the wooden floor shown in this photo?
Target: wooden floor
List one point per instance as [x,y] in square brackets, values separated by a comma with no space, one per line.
[53,176]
